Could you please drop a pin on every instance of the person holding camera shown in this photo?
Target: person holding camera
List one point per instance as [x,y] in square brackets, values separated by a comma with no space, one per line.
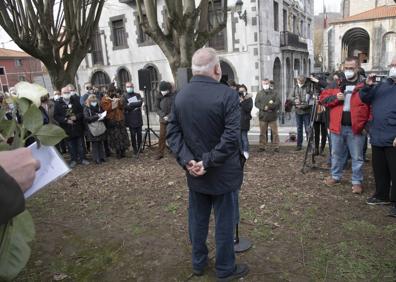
[163,107]
[302,98]
[382,98]
[246,103]
[348,119]
[268,103]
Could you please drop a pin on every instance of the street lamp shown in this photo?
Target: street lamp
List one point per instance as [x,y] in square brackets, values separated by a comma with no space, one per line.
[238,9]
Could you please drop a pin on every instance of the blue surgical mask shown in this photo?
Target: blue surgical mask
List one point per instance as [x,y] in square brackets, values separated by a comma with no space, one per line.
[129,89]
[94,104]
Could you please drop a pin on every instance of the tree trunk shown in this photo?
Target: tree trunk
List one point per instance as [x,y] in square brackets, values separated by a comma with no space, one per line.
[60,78]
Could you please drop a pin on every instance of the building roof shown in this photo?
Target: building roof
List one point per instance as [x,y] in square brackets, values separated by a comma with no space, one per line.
[382,12]
[8,53]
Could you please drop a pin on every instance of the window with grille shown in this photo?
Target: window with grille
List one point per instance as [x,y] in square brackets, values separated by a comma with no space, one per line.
[123,77]
[100,79]
[119,38]
[218,41]
[142,36]
[276,16]
[96,51]
[2,71]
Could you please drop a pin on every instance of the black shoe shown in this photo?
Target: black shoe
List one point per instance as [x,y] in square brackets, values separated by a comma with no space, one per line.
[241,270]
[316,153]
[298,148]
[392,211]
[157,158]
[276,150]
[375,201]
[197,272]
[262,150]
[98,162]
[103,160]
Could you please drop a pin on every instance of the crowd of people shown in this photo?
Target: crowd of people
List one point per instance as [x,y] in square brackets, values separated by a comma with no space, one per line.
[206,126]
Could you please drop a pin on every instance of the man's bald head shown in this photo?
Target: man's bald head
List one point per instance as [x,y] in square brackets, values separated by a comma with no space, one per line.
[206,62]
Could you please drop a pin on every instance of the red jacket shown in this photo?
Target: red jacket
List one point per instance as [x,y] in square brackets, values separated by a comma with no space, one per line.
[360,112]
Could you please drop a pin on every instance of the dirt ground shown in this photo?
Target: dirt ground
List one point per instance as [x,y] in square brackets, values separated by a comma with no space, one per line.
[126,220]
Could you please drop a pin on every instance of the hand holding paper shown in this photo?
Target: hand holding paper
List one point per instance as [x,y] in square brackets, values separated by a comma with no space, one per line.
[102,115]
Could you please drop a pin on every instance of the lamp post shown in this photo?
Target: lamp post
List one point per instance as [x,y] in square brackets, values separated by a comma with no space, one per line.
[238,9]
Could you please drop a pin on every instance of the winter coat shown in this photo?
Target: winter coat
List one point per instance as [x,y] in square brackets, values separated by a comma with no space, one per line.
[12,201]
[163,105]
[116,114]
[90,116]
[360,112]
[205,126]
[382,99]
[63,111]
[133,111]
[268,103]
[302,98]
[246,109]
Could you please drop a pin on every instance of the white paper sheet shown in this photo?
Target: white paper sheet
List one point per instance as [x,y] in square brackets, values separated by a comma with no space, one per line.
[52,167]
[132,100]
[102,115]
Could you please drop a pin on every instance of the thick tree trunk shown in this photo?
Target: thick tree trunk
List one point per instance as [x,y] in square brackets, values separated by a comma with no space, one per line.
[60,78]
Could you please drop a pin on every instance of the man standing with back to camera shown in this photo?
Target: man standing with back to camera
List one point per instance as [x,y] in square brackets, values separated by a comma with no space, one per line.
[204,134]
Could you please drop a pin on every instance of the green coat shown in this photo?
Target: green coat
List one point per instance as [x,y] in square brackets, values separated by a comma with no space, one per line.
[268,102]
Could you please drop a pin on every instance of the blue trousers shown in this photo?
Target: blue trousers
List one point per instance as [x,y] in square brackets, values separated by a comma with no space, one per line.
[75,147]
[302,121]
[244,141]
[200,207]
[340,145]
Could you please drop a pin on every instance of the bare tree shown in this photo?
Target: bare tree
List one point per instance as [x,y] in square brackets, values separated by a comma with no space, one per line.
[59,33]
[187,27]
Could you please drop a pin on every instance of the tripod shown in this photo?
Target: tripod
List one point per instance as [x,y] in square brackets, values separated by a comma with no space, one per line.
[147,130]
[310,137]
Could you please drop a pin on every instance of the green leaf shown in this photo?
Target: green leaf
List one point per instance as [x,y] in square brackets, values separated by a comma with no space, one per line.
[50,134]
[14,248]
[2,112]
[4,147]
[33,119]
[23,105]
[7,128]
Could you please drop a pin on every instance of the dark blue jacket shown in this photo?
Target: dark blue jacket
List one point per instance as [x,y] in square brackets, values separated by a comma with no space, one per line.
[133,111]
[205,126]
[382,99]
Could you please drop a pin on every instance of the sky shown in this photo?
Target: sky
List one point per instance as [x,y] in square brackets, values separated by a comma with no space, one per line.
[331,6]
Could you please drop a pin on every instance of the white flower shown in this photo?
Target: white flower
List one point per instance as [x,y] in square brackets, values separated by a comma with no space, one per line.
[30,91]
[271,102]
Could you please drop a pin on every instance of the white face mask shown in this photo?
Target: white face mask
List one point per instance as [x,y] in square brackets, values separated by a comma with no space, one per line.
[349,74]
[266,86]
[73,93]
[300,84]
[392,72]
[129,89]
[66,97]
[94,104]
[164,92]
[56,97]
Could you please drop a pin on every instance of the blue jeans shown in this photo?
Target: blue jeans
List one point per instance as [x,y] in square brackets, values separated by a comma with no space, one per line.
[200,206]
[75,147]
[302,120]
[340,144]
[244,141]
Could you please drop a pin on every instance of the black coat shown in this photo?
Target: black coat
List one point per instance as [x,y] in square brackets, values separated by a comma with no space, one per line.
[90,116]
[163,105]
[246,109]
[63,111]
[12,201]
[205,126]
[133,111]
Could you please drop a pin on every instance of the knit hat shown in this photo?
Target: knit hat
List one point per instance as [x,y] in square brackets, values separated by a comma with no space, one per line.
[165,86]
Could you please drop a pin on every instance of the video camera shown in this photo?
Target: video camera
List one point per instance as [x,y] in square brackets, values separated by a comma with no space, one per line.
[378,78]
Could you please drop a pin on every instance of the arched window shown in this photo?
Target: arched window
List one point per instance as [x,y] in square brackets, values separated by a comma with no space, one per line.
[277,76]
[123,77]
[99,79]
[356,42]
[297,70]
[227,71]
[388,49]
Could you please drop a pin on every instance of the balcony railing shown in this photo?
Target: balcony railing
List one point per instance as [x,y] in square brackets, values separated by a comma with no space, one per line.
[291,40]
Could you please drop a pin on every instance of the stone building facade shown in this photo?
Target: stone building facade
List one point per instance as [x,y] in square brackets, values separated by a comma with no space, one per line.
[273,41]
[370,35]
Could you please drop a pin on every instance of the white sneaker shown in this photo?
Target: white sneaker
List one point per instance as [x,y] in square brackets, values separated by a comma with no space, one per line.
[246,154]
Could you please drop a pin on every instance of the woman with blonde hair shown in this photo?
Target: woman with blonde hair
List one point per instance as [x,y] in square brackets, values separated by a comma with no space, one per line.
[92,117]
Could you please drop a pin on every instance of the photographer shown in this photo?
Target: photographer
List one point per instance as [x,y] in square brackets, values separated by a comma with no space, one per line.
[348,118]
[246,103]
[302,98]
[382,98]
[163,107]
[320,129]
